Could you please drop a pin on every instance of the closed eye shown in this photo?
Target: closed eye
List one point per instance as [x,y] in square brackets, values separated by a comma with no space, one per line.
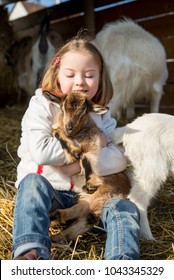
[69,76]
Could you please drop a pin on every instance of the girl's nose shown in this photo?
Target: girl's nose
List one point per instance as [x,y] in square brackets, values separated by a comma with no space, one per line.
[79,84]
[79,81]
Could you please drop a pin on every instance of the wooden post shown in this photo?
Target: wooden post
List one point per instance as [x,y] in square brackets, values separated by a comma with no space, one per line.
[89,16]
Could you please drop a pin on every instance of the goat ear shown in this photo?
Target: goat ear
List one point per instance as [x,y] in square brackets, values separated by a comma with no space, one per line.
[53,97]
[100,110]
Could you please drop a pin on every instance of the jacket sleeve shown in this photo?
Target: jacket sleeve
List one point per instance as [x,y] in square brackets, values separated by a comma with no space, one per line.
[37,133]
[111,159]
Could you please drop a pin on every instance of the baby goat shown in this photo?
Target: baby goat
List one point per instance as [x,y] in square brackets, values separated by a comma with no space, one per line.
[80,139]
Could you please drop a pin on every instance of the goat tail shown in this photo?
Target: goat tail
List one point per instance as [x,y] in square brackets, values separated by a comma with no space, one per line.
[117,135]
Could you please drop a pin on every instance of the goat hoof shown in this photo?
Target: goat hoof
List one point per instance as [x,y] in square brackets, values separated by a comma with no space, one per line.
[89,189]
[86,189]
[58,238]
[56,134]
[92,219]
[77,154]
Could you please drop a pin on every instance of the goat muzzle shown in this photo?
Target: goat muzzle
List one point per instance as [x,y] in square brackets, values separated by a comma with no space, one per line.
[69,128]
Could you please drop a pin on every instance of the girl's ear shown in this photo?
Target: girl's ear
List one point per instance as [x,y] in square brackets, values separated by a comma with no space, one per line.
[100,110]
[54,97]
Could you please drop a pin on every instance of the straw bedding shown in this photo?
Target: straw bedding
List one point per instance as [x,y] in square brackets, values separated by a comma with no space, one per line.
[91,245]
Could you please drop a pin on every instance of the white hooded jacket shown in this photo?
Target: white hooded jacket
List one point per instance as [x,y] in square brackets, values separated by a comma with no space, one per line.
[41,153]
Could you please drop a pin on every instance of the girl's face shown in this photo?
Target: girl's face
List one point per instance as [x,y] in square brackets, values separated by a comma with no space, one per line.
[79,72]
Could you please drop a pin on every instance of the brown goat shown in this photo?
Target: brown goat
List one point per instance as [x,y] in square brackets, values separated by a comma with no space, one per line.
[80,138]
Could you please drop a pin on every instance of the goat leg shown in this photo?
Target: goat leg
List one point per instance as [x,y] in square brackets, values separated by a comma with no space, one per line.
[70,146]
[92,181]
[84,224]
[72,213]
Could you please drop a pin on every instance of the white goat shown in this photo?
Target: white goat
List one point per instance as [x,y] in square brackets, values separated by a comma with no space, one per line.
[136,62]
[149,146]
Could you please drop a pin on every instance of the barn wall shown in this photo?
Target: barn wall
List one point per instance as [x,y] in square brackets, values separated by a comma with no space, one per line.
[155,16]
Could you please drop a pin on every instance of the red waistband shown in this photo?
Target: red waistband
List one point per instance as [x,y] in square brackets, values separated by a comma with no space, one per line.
[39,169]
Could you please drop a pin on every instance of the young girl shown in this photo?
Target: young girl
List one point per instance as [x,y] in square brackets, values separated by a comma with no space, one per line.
[44,178]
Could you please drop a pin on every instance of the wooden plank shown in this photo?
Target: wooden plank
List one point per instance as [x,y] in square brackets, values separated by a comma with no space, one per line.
[139,9]
[167,100]
[66,9]
[163,109]
[101,3]
[168,43]
[160,27]
[64,27]
[168,96]
[170,66]
[135,10]
[170,79]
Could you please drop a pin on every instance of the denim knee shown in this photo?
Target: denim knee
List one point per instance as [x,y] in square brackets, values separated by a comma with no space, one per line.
[121,220]
[123,205]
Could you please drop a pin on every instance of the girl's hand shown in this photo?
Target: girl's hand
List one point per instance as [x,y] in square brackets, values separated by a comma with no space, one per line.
[70,169]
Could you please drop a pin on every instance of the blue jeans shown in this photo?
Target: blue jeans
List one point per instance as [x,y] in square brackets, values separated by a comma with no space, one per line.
[36,198]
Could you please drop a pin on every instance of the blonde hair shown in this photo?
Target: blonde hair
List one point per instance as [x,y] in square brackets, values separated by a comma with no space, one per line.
[50,81]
